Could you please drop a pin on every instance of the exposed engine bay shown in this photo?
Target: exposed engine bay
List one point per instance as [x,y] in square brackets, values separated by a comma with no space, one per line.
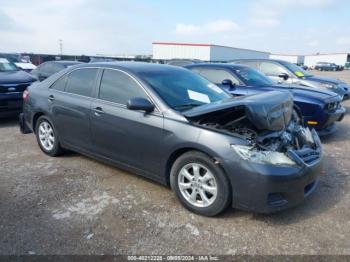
[266,121]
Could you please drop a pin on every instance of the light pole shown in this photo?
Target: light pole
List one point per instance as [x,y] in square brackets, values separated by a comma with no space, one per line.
[60,42]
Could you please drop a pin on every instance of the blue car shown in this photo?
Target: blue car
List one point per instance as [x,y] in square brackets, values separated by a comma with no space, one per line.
[12,84]
[319,109]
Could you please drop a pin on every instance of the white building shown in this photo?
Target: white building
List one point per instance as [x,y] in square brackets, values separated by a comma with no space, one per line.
[337,58]
[204,52]
[296,59]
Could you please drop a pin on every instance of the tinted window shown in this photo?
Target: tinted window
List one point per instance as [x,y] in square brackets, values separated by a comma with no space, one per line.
[183,89]
[81,81]
[217,76]
[252,77]
[60,84]
[118,87]
[272,69]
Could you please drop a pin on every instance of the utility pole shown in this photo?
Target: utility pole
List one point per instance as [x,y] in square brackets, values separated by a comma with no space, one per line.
[60,42]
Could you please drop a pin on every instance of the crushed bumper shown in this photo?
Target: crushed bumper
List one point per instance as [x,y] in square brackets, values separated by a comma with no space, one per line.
[267,188]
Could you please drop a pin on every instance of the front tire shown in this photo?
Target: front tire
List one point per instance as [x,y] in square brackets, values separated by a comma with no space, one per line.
[47,137]
[201,186]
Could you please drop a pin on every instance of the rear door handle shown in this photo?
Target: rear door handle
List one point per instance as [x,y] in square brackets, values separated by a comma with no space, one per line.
[51,98]
[98,111]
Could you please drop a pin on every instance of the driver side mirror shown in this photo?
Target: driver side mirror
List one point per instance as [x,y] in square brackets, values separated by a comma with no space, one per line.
[228,82]
[139,103]
[285,76]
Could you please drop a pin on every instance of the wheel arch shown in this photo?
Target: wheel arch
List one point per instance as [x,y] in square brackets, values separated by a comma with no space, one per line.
[35,119]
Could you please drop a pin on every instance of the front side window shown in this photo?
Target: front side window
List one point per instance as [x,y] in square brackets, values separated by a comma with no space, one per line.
[217,76]
[272,69]
[182,89]
[81,81]
[118,87]
[252,77]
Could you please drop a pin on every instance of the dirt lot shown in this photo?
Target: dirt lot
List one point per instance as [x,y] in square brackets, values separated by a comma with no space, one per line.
[75,205]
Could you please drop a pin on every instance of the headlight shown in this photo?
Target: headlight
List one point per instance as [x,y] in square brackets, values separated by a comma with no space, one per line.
[326,85]
[263,157]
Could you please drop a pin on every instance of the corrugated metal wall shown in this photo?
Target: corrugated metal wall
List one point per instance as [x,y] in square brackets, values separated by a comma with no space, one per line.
[167,52]
[222,53]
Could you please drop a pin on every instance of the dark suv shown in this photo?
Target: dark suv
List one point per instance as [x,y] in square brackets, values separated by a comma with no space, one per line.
[174,126]
[12,84]
[324,66]
[288,73]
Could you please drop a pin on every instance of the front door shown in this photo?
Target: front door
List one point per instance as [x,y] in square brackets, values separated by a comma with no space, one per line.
[131,137]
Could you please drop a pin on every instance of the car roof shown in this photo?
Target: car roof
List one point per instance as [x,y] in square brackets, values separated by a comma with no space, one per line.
[218,65]
[261,59]
[133,67]
[64,62]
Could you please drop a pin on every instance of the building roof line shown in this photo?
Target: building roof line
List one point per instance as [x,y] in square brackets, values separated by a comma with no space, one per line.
[209,45]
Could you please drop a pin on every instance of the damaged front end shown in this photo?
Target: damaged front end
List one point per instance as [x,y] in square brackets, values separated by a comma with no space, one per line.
[267,125]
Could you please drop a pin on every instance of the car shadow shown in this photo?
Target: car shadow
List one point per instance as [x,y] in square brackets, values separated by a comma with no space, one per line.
[8,122]
[342,134]
[332,182]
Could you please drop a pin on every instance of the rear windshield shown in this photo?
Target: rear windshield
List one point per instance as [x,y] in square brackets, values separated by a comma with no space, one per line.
[6,66]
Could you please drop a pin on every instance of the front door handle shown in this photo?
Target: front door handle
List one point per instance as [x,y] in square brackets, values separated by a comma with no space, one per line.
[98,111]
[51,98]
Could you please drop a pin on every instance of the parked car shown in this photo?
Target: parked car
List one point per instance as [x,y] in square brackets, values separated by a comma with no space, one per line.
[318,109]
[324,66]
[174,126]
[288,73]
[12,84]
[20,61]
[347,65]
[49,68]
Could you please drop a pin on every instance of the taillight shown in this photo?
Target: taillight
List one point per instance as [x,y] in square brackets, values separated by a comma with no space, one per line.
[25,95]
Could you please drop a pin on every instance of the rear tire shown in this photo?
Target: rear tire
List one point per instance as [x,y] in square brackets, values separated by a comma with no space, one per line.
[47,137]
[201,186]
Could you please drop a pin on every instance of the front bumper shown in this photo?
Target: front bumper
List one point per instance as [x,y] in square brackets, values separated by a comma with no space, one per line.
[267,188]
[326,121]
[10,104]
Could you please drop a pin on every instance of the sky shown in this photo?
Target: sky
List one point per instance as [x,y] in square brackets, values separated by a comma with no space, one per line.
[128,27]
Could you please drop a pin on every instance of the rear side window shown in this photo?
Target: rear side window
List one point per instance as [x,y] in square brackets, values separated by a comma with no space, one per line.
[118,87]
[217,76]
[60,84]
[81,81]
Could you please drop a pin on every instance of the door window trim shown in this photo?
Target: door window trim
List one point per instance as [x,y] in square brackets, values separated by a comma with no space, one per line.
[133,78]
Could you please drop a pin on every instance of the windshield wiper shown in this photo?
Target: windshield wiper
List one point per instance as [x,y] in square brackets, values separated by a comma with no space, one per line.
[185,106]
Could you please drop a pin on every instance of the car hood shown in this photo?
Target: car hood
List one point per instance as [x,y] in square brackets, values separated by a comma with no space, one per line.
[15,77]
[267,111]
[323,79]
[301,91]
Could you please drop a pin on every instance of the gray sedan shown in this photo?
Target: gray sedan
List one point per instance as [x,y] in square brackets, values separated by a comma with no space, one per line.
[173,126]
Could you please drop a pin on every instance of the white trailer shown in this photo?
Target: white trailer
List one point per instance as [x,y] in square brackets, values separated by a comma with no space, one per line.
[339,59]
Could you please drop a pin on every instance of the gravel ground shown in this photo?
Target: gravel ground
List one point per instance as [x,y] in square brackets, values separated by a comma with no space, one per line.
[75,205]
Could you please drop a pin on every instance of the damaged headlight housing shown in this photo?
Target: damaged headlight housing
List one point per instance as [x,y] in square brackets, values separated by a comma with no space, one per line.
[263,157]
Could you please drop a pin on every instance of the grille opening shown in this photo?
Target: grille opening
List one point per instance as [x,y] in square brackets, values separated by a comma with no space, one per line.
[308,188]
[276,199]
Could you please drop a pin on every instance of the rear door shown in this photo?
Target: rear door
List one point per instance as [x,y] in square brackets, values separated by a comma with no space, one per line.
[127,136]
[70,99]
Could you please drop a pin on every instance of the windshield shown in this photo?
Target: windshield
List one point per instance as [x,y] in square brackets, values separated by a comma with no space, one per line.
[298,71]
[252,77]
[182,89]
[5,65]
